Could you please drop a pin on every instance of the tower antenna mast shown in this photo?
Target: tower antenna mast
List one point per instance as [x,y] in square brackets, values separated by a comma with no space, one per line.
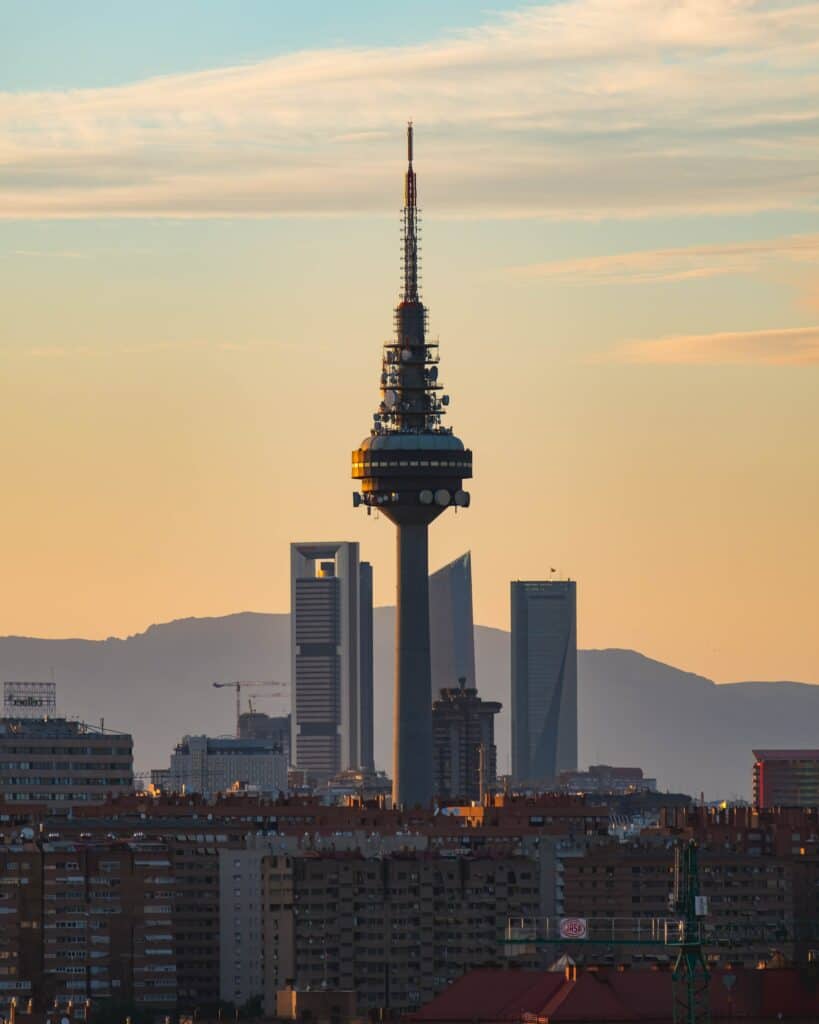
[411,468]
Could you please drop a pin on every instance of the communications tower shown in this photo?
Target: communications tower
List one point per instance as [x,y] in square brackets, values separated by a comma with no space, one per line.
[411,468]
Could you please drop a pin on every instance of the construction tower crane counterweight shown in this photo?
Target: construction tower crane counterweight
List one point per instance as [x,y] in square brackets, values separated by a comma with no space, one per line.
[239,684]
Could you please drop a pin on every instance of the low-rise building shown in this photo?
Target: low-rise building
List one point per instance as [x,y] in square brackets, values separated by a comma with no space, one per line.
[208,765]
[606,779]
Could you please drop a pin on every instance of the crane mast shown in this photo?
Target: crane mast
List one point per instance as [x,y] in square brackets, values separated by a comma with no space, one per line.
[237,685]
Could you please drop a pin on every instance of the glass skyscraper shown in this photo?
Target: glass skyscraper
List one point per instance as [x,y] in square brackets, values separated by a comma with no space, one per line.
[544,680]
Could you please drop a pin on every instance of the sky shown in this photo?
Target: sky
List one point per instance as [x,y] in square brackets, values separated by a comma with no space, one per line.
[199,258]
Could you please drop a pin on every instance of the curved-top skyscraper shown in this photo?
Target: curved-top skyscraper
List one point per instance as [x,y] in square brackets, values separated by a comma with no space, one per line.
[411,468]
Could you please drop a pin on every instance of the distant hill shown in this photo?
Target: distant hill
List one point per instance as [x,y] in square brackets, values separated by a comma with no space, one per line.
[690,733]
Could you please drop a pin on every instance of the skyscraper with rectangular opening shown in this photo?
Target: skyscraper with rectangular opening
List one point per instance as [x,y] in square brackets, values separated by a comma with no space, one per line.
[544,680]
[331,657]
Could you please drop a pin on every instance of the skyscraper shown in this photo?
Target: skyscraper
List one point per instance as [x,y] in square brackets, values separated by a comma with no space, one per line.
[463,731]
[411,468]
[544,680]
[451,627]
[331,635]
[365,666]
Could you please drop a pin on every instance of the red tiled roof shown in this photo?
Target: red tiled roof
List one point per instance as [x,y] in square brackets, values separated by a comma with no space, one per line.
[590,997]
[492,994]
[495,996]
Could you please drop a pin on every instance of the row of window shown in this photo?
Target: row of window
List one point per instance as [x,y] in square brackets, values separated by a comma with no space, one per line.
[425,463]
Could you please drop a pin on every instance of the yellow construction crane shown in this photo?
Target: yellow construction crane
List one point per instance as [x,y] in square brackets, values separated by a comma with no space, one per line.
[238,684]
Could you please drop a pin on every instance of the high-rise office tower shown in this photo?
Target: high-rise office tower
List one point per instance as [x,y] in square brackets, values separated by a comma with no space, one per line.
[331,634]
[544,680]
[463,736]
[365,667]
[411,468]
[451,627]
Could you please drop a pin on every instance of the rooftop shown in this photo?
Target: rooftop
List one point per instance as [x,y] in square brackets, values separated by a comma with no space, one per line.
[787,755]
[606,995]
[64,728]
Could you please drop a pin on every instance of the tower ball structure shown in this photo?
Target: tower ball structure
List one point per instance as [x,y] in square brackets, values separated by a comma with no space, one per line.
[411,468]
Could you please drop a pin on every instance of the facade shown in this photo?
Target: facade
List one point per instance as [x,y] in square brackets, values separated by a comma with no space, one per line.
[255,725]
[451,626]
[331,718]
[607,779]
[21,900]
[63,763]
[363,784]
[786,778]
[411,468]
[463,736]
[366,681]
[135,900]
[758,872]
[544,680]
[107,923]
[241,905]
[393,925]
[208,765]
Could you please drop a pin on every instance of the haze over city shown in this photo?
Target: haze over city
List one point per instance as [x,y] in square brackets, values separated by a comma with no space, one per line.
[410,450]
[199,250]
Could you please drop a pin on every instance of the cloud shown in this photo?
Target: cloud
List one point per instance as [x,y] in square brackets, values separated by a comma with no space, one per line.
[653,266]
[787,346]
[578,108]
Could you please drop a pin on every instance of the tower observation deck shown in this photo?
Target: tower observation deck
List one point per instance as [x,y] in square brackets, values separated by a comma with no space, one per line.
[411,468]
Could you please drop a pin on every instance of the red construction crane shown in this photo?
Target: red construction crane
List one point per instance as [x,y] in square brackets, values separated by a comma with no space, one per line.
[237,685]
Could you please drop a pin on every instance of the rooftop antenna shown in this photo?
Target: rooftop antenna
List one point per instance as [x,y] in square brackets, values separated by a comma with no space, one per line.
[410,227]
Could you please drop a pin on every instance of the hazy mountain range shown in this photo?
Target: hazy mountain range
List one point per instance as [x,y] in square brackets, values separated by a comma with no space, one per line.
[690,733]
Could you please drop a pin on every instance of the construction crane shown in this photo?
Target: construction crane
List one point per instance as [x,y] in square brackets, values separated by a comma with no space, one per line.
[239,684]
[690,977]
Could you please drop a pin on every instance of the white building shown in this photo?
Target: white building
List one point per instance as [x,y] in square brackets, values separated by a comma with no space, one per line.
[209,765]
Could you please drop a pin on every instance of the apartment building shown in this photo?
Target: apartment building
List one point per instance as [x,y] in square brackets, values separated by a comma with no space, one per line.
[107,924]
[20,920]
[759,874]
[63,763]
[391,922]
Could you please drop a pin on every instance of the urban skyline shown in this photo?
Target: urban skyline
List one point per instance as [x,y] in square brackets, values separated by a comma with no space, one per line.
[188,339]
[452,821]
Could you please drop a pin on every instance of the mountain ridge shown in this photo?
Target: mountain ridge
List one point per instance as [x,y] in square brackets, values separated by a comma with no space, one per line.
[689,732]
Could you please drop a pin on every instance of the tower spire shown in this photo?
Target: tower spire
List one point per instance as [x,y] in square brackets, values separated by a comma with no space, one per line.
[411,468]
[410,227]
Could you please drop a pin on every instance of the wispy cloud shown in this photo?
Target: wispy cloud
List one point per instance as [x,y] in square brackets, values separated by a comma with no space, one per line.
[680,264]
[578,108]
[788,346]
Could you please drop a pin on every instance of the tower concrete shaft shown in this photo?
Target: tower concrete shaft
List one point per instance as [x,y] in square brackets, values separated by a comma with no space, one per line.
[411,468]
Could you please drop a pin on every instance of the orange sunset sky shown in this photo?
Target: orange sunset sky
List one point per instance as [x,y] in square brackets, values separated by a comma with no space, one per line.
[199,259]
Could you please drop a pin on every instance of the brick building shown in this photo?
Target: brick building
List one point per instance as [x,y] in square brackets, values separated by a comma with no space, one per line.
[759,872]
